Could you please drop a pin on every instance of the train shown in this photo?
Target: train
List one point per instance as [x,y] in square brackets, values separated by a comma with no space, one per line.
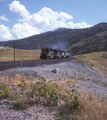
[49,53]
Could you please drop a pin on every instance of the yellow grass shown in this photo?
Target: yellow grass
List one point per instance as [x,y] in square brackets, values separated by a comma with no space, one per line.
[94,60]
[92,107]
[7,54]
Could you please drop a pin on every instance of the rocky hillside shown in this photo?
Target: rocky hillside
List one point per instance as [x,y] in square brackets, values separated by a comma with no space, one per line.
[75,40]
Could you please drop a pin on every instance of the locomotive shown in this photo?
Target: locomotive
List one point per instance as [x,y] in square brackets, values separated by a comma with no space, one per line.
[48,53]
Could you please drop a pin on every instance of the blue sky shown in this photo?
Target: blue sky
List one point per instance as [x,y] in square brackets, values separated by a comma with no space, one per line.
[23,18]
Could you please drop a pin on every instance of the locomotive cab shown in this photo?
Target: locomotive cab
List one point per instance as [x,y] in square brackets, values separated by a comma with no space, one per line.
[44,53]
[47,53]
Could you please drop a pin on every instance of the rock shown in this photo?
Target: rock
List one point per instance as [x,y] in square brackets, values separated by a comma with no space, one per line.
[55,70]
[60,102]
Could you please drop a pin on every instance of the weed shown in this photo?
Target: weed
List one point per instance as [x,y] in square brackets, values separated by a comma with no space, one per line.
[49,93]
[45,93]
[4,90]
[20,105]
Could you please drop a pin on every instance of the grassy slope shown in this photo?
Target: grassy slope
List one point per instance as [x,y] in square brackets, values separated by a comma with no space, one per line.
[7,54]
[95,60]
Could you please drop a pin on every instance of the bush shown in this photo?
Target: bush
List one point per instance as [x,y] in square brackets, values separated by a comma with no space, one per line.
[20,105]
[45,93]
[4,90]
[49,93]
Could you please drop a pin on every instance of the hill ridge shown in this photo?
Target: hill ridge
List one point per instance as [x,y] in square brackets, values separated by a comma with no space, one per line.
[75,40]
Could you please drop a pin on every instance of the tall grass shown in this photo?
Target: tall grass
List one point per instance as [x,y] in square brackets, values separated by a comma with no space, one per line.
[92,108]
[43,92]
[71,104]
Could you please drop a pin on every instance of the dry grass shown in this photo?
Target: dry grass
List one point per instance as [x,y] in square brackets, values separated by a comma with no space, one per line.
[95,60]
[90,106]
[39,91]
[7,54]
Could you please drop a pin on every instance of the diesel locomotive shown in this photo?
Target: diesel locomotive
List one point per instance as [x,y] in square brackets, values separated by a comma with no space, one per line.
[48,53]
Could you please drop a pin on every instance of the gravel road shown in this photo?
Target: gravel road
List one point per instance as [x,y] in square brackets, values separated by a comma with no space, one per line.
[88,78]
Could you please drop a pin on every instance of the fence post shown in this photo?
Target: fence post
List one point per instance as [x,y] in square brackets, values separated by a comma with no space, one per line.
[21,63]
[57,70]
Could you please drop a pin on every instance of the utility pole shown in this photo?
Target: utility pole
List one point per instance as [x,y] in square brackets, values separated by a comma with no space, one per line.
[14,50]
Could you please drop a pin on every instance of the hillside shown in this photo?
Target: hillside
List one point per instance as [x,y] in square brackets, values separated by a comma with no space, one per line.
[95,43]
[76,41]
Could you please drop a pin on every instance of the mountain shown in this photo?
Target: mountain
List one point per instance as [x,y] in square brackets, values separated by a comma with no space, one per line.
[61,29]
[77,41]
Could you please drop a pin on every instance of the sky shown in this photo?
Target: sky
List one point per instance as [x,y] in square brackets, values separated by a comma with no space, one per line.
[24,18]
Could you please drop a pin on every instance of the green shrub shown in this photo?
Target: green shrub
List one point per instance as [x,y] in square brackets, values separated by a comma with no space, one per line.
[4,90]
[71,101]
[45,93]
[48,93]
[20,105]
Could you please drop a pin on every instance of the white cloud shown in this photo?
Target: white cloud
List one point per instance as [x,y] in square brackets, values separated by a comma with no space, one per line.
[23,30]
[42,21]
[48,19]
[1,0]
[78,25]
[4,18]
[64,16]
[15,6]
[5,33]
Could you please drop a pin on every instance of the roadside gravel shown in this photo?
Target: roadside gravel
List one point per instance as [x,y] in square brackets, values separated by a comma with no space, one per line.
[32,113]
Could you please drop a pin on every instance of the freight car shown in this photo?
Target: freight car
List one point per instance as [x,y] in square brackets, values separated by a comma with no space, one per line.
[48,53]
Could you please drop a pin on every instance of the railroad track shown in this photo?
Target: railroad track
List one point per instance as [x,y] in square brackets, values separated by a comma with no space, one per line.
[30,63]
